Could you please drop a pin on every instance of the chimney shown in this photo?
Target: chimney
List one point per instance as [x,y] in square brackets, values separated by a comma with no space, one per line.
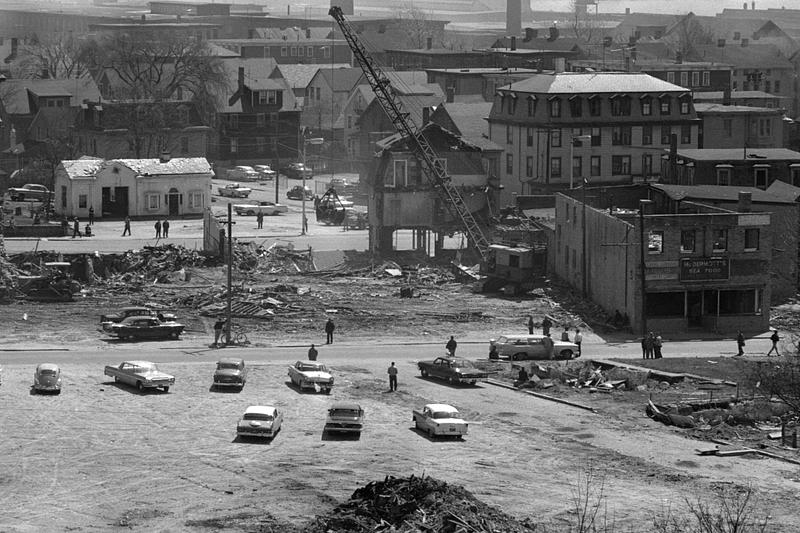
[308,33]
[553,34]
[721,43]
[143,18]
[530,34]
[451,95]
[165,157]
[178,17]
[14,45]
[429,42]
[646,207]
[241,77]
[745,42]
[744,6]
[753,6]
[673,157]
[513,17]
[426,115]
[513,42]
[726,96]
[745,202]
[627,11]
[678,58]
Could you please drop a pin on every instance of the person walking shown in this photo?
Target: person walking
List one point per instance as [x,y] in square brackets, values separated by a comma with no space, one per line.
[76,228]
[740,342]
[578,339]
[451,346]
[546,324]
[392,371]
[329,328]
[91,215]
[312,353]
[657,343]
[127,230]
[218,326]
[260,220]
[530,324]
[774,338]
[565,334]
[165,228]
[548,345]
[157,226]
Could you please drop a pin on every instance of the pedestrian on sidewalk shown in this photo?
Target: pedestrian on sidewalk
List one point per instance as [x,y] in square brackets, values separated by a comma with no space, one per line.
[165,228]
[644,347]
[774,338]
[548,345]
[740,342]
[530,324]
[312,353]
[657,343]
[76,228]
[127,230]
[578,339]
[218,325]
[565,335]
[157,226]
[329,328]
[546,323]
[649,345]
[451,346]
[392,371]
[260,220]
[91,215]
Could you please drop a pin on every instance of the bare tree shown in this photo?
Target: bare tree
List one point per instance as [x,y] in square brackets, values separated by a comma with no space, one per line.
[418,26]
[686,34]
[583,24]
[57,56]
[779,379]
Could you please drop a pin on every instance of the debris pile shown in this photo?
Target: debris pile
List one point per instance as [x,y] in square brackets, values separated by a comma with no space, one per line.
[416,504]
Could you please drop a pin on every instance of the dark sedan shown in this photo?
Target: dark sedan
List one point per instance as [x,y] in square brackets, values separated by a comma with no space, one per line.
[145,327]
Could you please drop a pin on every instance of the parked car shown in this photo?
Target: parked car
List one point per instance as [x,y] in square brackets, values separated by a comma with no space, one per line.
[343,186]
[311,375]
[296,171]
[125,312]
[521,347]
[265,172]
[140,374]
[30,191]
[145,327]
[47,378]
[262,421]
[453,369]
[345,417]
[438,420]
[266,208]
[243,173]
[230,372]
[296,193]
[234,190]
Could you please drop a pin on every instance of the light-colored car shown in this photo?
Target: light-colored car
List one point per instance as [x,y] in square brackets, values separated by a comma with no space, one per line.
[265,208]
[311,375]
[521,347]
[296,171]
[30,191]
[47,378]
[265,172]
[243,173]
[234,190]
[345,417]
[140,374]
[262,421]
[230,372]
[439,419]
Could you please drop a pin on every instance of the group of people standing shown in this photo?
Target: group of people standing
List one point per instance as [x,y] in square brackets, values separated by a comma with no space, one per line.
[651,346]
[162,228]
[547,324]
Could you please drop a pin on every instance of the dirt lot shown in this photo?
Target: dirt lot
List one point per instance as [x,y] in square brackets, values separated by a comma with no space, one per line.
[101,457]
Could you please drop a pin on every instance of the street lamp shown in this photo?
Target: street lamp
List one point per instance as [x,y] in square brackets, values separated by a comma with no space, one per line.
[572,156]
[311,140]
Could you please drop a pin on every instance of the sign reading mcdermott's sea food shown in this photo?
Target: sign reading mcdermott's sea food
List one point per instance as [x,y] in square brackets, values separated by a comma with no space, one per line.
[705,269]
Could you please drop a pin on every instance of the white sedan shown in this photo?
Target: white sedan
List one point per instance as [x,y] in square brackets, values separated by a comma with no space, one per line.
[265,208]
[262,421]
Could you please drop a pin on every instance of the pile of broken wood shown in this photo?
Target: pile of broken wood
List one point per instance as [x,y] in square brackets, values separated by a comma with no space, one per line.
[416,504]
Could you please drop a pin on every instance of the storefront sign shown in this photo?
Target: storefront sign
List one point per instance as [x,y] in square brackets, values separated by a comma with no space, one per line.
[707,269]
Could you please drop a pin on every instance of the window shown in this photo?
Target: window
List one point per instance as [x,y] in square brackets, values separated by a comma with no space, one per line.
[776,87]
[399,174]
[684,79]
[261,144]
[686,134]
[620,165]
[529,136]
[184,145]
[555,167]
[300,51]
[664,103]
[83,201]
[261,119]
[685,107]
[152,201]
[727,125]
[597,137]
[555,108]
[670,77]
[309,51]
[687,241]
[695,79]
[512,104]
[751,239]
[795,175]
[765,127]
[195,200]
[234,145]
[319,94]
[666,132]
[706,78]
[326,51]
[555,138]
[655,242]
[267,97]
[621,135]
[761,176]
[509,164]
[577,166]
[531,106]
[509,134]
[719,242]
[233,122]
[529,166]
[293,51]
[575,107]
[767,86]
[647,165]
[723,175]
[283,51]
[595,165]
[739,302]
[647,106]
[620,106]
[647,134]
[595,106]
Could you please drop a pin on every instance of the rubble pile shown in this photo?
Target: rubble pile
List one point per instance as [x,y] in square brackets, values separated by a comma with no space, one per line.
[416,504]
[150,263]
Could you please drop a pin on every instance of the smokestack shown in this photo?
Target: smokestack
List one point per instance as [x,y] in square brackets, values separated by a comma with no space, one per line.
[753,6]
[745,202]
[513,42]
[530,34]
[513,17]
[627,11]
[308,33]
[165,157]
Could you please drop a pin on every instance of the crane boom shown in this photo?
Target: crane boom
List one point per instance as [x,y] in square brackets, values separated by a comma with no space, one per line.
[432,167]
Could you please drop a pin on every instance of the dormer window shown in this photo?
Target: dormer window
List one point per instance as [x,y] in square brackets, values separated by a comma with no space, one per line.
[555,107]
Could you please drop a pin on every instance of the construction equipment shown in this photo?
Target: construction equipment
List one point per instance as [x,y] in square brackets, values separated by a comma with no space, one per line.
[331,209]
[432,167]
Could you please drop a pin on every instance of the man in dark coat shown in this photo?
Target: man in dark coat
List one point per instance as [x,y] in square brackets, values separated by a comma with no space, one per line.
[451,346]
[329,327]
[740,342]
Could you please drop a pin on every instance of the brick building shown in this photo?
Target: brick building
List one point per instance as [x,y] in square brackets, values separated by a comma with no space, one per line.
[741,167]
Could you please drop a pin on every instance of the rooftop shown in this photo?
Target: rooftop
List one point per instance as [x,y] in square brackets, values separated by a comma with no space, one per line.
[594,82]
[722,193]
[739,154]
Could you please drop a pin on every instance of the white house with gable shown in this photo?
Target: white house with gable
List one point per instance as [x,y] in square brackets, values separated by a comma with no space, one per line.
[139,188]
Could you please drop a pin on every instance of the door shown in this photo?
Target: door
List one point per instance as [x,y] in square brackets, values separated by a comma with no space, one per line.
[694,308]
[120,202]
[173,199]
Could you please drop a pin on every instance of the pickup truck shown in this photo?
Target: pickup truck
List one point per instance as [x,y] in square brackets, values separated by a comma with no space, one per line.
[438,420]
[30,191]
[453,369]
[234,190]
[265,208]
[140,374]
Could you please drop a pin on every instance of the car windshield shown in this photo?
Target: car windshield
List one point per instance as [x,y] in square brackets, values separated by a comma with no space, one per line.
[144,368]
[445,414]
[463,363]
[47,372]
[502,339]
[312,368]
[227,366]
[257,416]
[352,413]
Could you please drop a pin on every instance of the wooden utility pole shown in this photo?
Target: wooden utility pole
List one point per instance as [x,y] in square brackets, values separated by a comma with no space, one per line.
[642,247]
[230,276]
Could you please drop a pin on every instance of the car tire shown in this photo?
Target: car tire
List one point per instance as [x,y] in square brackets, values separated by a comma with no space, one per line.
[251,213]
[452,381]
[566,354]
[424,373]
[327,391]
[166,389]
[139,386]
[517,356]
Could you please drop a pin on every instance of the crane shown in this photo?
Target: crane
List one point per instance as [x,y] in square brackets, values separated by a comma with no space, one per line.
[432,167]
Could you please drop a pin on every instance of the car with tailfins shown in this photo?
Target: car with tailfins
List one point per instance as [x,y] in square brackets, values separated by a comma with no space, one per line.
[454,370]
[144,327]
[311,375]
[265,172]
[243,173]
[263,207]
[230,372]
[439,420]
[140,374]
[260,421]
[234,190]
[518,347]
[345,417]
[124,312]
